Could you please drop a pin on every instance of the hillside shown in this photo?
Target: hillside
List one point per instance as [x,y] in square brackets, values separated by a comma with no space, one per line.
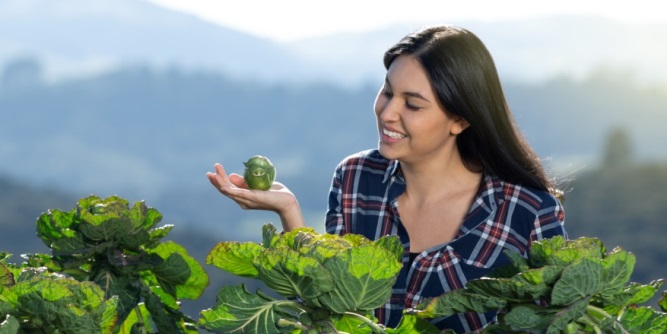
[152,134]
[624,207]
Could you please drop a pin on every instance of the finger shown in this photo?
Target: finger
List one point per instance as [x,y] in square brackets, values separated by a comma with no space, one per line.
[238,180]
[212,178]
[219,179]
[220,172]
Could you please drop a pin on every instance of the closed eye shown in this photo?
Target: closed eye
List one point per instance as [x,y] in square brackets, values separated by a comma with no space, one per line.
[411,107]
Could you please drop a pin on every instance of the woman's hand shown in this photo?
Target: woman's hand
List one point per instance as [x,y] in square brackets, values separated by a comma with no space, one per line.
[278,198]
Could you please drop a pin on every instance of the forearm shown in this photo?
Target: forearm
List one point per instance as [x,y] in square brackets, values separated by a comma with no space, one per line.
[291,217]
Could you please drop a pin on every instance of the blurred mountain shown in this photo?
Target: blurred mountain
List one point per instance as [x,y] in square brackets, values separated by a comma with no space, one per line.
[77,37]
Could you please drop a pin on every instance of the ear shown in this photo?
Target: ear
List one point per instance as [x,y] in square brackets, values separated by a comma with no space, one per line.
[460,124]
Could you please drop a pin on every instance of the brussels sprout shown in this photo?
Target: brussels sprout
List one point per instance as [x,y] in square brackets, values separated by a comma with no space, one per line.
[259,173]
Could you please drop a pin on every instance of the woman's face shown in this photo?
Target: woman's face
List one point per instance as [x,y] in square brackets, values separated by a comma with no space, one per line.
[412,124]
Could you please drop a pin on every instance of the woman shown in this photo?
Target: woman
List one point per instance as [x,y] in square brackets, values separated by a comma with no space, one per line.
[451,176]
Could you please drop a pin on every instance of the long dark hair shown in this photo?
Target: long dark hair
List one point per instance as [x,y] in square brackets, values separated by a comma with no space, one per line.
[467,84]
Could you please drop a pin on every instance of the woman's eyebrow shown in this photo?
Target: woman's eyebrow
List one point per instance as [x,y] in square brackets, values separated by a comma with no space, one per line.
[408,94]
[415,94]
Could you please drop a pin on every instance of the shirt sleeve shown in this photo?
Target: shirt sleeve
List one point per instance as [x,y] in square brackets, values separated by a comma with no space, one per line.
[549,221]
[334,221]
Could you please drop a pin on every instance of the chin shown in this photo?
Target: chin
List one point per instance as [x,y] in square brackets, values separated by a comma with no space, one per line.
[387,153]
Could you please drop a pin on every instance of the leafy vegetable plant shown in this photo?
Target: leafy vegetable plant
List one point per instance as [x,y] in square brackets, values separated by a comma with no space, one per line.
[582,289]
[118,247]
[259,173]
[331,284]
[32,300]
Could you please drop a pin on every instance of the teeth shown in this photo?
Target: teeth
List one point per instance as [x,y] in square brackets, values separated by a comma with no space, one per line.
[392,134]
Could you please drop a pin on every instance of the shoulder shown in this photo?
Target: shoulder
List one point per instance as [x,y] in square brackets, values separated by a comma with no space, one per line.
[530,199]
[533,213]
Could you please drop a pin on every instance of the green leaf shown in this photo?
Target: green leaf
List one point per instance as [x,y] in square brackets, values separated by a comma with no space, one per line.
[236,258]
[458,301]
[617,270]
[568,315]
[103,227]
[180,271]
[392,243]
[532,284]
[158,314]
[268,235]
[57,230]
[528,318]
[561,252]
[174,271]
[410,324]
[142,217]
[4,256]
[663,302]
[41,260]
[131,264]
[644,320]
[139,318]
[291,238]
[325,247]
[356,240]
[168,300]
[518,263]
[53,303]
[642,293]
[6,277]
[290,274]
[238,311]
[10,325]
[124,287]
[158,233]
[579,280]
[352,324]
[364,277]
[54,224]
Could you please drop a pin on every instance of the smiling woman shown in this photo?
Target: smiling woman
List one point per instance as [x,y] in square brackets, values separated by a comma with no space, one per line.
[452,177]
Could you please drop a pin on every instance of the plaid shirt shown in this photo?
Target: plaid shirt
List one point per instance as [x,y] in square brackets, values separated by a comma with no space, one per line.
[363,200]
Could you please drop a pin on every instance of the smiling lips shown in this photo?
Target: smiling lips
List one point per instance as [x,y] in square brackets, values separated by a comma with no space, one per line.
[392,134]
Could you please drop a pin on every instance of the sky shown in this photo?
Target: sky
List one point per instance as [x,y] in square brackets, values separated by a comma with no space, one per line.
[287,20]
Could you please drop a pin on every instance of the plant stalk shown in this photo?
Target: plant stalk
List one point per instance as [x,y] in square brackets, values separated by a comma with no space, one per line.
[374,327]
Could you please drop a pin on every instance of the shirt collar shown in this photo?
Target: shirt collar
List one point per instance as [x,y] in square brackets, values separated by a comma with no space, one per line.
[489,197]
[392,169]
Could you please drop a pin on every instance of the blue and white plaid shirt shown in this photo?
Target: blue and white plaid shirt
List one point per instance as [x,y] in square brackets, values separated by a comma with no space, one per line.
[363,200]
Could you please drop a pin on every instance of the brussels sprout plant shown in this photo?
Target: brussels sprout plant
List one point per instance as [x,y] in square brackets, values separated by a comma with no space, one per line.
[583,289]
[331,284]
[110,273]
[118,247]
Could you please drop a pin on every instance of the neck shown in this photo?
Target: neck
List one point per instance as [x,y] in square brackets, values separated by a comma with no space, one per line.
[437,178]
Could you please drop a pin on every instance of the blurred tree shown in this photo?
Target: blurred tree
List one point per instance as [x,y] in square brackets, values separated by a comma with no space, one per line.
[618,150]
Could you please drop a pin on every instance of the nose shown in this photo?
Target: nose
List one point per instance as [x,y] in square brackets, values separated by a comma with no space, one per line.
[385,109]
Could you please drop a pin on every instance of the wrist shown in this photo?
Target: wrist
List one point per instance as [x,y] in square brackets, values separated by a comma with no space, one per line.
[291,216]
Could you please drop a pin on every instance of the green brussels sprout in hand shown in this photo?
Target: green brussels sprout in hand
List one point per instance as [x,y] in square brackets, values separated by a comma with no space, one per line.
[259,173]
